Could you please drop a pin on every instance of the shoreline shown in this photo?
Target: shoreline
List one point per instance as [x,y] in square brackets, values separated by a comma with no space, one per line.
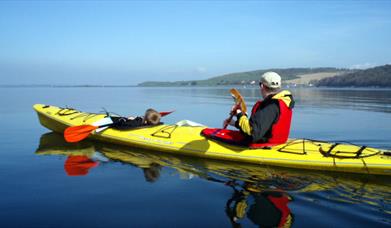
[289,86]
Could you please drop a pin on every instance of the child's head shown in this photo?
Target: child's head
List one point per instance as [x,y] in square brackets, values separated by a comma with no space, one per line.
[152,173]
[152,117]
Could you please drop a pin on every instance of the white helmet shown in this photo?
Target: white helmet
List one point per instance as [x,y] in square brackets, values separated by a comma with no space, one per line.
[271,79]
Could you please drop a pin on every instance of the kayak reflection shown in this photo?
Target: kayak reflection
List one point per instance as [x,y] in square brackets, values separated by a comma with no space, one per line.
[83,156]
[260,193]
[151,162]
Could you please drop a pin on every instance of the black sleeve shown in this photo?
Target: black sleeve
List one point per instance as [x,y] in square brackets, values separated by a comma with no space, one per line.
[124,123]
[262,121]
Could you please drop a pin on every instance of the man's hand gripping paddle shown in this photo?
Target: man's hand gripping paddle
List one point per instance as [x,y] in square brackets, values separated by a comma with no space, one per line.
[239,104]
[78,133]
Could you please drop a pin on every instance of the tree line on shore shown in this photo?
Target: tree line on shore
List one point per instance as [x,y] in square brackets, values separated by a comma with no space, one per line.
[244,78]
[373,77]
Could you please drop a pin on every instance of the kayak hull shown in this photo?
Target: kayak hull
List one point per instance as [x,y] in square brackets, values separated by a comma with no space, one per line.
[187,140]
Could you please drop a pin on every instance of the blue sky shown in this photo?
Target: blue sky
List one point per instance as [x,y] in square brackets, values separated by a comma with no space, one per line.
[127,42]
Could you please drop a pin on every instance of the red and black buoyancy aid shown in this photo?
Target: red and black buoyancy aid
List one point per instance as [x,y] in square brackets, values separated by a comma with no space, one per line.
[280,129]
[281,203]
[279,132]
[270,210]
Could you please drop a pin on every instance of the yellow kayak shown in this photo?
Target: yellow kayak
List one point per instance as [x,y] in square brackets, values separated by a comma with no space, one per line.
[187,140]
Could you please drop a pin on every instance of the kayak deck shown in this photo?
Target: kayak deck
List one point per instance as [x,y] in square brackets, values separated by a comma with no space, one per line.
[187,140]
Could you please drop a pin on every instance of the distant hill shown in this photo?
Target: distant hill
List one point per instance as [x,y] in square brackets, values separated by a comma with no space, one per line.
[374,77]
[246,78]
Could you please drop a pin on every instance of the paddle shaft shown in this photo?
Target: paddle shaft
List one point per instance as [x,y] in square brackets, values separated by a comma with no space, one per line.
[228,121]
[231,115]
[105,125]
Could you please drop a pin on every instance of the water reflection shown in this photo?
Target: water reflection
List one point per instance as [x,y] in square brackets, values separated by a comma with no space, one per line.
[378,100]
[358,99]
[260,194]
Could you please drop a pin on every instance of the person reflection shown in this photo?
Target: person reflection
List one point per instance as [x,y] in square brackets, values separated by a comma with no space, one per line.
[268,208]
[152,173]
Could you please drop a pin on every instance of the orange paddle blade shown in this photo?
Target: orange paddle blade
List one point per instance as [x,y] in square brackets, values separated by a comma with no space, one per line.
[78,133]
[238,99]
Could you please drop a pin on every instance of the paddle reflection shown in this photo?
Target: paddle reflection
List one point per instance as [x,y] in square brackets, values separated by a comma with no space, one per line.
[79,165]
[79,156]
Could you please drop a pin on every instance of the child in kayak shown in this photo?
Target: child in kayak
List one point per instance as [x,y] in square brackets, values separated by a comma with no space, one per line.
[151,117]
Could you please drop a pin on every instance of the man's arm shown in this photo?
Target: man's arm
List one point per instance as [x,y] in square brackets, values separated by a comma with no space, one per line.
[260,123]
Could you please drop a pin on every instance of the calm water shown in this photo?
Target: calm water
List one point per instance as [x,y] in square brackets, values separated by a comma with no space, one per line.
[46,182]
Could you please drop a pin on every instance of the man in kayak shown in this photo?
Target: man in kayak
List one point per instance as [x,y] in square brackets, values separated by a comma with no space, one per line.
[151,117]
[270,119]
